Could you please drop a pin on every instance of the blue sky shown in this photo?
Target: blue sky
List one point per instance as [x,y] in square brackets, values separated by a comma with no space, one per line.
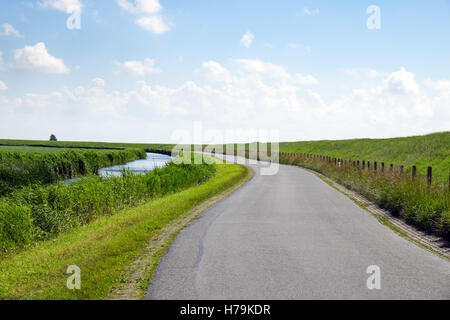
[141,70]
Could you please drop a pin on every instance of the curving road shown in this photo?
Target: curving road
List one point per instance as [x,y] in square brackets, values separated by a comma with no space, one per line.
[291,236]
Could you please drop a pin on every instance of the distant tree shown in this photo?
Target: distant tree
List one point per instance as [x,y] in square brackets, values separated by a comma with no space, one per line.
[53,138]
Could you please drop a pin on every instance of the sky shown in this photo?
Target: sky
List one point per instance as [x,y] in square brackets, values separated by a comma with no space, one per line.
[212,71]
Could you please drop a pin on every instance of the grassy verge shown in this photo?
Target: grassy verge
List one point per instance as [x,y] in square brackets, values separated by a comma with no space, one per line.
[105,248]
[427,150]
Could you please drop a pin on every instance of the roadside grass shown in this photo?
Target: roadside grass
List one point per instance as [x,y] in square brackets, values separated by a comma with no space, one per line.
[103,249]
[423,151]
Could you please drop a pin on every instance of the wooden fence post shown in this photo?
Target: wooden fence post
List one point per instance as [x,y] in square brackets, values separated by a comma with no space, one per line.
[364,164]
[375,165]
[429,176]
[414,172]
[382,167]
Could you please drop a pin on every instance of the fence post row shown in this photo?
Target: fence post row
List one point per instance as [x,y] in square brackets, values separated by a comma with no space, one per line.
[354,163]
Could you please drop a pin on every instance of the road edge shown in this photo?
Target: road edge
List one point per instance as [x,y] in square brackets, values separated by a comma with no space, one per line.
[425,241]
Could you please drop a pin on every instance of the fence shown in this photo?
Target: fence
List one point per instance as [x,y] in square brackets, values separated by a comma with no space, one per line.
[375,166]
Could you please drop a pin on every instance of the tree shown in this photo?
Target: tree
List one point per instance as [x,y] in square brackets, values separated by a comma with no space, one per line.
[53,138]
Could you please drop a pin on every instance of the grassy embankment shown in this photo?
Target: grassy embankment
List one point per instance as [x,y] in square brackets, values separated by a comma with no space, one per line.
[422,151]
[24,167]
[39,212]
[104,248]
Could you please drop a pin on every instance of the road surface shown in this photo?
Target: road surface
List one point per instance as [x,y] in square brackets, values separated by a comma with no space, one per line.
[292,236]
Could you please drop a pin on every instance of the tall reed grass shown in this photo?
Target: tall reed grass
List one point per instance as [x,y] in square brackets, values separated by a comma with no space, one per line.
[23,168]
[38,212]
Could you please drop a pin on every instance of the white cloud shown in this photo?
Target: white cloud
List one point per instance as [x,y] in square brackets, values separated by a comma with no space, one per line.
[401,82]
[305,80]
[141,7]
[215,72]
[310,12]
[247,39]
[9,30]
[243,93]
[3,86]
[138,68]
[67,6]
[155,24]
[362,72]
[37,58]
[148,14]
[441,85]
[98,82]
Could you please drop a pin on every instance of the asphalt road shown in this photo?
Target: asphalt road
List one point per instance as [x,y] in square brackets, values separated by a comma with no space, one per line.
[291,236]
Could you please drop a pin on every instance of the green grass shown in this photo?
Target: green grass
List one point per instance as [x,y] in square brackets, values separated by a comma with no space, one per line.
[83,144]
[31,149]
[104,248]
[39,212]
[19,169]
[422,151]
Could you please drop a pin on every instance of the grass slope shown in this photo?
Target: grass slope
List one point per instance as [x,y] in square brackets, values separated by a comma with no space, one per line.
[422,151]
[105,248]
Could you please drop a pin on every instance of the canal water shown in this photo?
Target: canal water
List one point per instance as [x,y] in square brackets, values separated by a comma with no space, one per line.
[143,166]
[153,160]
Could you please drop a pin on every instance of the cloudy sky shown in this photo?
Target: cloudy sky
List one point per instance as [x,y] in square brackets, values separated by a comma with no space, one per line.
[140,70]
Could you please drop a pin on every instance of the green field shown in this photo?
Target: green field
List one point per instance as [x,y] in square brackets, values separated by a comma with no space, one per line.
[81,145]
[28,149]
